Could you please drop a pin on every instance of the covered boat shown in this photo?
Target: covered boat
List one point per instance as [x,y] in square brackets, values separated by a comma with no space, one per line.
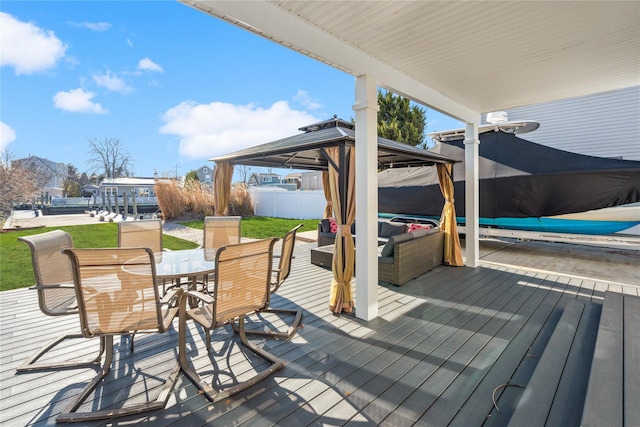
[523,186]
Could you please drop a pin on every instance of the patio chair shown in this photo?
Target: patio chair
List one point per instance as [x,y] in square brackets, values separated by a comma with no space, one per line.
[56,293]
[146,233]
[143,233]
[220,231]
[118,294]
[241,286]
[280,275]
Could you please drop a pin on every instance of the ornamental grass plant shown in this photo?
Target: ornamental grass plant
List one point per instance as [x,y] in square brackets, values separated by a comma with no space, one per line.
[195,200]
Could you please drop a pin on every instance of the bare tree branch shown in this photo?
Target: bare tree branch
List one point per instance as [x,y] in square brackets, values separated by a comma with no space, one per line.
[108,156]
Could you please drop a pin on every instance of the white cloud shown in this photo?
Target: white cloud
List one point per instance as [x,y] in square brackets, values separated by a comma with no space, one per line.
[27,48]
[93,26]
[209,130]
[77,101]
[129,43]
[112,82]
[305,100]
[7,135]
[148,65]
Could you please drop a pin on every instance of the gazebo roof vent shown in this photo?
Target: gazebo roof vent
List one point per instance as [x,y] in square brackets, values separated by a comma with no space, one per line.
[331,123]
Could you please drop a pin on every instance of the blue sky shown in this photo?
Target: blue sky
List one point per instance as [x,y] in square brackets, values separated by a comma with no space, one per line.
[174,85]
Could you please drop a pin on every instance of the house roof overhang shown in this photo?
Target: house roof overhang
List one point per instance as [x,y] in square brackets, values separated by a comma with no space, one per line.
[460,58]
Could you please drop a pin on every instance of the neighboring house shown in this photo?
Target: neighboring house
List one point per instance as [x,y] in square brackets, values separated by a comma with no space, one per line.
[603,124]
[205,174]
[261,179]
[90,190]
[50,175]
[293,178]
[141,187]
[311,180]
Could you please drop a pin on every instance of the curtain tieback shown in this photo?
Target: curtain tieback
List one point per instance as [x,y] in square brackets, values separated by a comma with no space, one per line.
[449,200]
[345,229]
[329,203]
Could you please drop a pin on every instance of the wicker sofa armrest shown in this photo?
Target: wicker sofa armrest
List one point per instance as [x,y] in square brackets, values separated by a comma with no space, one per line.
[411,258]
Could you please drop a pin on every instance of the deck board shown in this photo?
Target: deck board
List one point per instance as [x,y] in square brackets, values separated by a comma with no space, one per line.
[439,347]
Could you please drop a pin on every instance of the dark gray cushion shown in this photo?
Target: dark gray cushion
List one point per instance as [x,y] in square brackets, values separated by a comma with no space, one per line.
[325,226]
[387,250]
[388,230]
[420,233]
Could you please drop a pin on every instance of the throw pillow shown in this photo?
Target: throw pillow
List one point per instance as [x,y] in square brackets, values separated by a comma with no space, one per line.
[414,227]
[333,225]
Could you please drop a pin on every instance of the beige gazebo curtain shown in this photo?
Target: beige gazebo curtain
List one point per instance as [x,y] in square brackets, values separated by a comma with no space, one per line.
[328,210]
[452,249]
[341,298]
[222,176]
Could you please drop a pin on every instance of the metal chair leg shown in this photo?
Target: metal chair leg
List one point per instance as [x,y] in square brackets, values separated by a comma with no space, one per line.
[31,365]
[70,414]
[205,387]
[291,330]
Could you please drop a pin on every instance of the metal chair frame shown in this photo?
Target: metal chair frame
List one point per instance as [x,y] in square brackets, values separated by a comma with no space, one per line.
[219,307]
[281,274]
[99,274]
[56,294]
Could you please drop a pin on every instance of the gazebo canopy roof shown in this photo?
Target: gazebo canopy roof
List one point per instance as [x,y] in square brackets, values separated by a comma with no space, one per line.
[304,151]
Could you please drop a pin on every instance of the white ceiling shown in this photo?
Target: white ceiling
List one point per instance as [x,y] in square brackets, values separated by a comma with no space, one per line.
[462,58]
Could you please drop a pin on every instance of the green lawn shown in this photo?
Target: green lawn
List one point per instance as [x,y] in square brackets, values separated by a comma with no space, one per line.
[15,257]
[262,227]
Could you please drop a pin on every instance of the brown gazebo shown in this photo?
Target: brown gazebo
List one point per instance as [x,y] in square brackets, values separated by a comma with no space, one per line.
[330,146]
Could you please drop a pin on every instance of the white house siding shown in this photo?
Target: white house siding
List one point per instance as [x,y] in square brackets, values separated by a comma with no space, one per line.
[604,125]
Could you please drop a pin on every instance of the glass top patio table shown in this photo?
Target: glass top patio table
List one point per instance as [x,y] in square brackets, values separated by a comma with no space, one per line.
[183,263]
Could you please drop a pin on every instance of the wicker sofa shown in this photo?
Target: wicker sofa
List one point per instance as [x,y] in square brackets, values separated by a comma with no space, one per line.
[408,255]
[402,255]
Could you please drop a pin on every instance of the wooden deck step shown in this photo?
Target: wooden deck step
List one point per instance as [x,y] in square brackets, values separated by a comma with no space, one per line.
[614,384]
[555,393]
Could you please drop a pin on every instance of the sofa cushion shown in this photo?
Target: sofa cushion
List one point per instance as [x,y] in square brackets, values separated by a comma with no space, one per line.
[387,250]
[388,230]
[324,225]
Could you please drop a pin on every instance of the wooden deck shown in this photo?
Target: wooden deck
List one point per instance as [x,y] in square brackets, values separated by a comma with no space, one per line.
[443,348]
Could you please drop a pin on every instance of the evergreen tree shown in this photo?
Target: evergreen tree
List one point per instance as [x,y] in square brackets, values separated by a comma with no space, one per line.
[399,121]
[192,175]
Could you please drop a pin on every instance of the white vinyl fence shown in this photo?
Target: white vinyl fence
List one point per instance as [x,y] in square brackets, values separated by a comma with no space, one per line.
[280,203]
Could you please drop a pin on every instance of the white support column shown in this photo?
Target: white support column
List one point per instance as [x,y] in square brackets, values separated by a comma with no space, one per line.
[366,108]
[472,204]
